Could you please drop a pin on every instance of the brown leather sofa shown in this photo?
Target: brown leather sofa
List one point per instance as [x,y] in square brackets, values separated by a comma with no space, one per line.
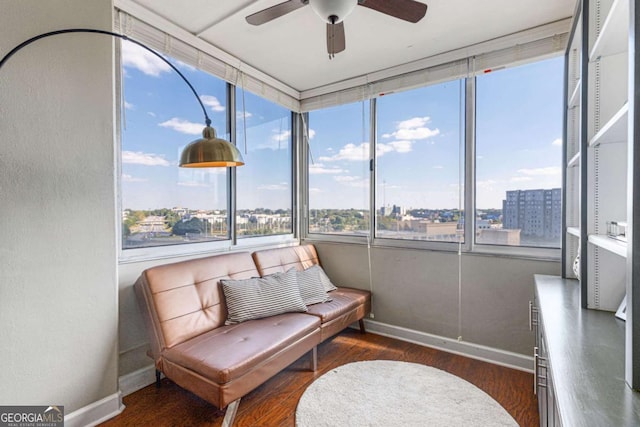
[184,309]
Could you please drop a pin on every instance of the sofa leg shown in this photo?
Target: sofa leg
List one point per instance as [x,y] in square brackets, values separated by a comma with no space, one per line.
[232,408]
[362,330]
[314,359]
[157,378]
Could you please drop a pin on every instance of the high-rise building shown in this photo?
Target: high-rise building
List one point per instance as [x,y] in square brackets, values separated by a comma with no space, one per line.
[537,213]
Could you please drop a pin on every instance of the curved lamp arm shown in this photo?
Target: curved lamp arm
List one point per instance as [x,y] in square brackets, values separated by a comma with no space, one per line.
[208,151]
[109,33]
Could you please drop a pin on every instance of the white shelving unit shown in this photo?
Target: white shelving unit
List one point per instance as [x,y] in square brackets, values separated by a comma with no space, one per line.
[602,132]
[606,155]
[573,231]
[608,244]
[572,205]
[615,130]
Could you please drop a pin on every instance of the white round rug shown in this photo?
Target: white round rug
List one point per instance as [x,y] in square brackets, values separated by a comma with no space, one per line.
[389,393]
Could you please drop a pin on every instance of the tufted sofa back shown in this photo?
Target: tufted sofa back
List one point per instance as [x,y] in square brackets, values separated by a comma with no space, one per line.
[269,261]
[184,299]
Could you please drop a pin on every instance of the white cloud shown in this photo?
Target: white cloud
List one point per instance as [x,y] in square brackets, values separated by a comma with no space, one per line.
[315,190]
[557,142]
[438,167]
[212,102]
[130,178]
[128,106]
[137,57]
[413,134]
[521,179]
[140,158]
[183,126]
[486,184]
[193,184]
[347,178]
[321,169]
[311,133]
[548,171]
[151,113]
[356,153]
[349,152]
[413,129]
[276,141]
[401,146]
[352,181]
[282,136]
[246,114]
[274,187]
[185,66]
[415,122]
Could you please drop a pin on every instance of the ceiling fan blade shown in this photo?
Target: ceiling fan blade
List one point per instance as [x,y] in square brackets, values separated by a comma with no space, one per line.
[407,10]
[335,38]
[274,12]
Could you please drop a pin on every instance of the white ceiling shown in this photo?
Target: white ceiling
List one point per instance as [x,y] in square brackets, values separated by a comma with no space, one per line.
[292,48]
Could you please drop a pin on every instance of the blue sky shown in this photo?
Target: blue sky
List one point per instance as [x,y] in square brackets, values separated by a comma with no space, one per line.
[419,137]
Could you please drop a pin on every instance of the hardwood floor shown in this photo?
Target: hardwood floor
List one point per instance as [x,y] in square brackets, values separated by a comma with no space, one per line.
[274,403]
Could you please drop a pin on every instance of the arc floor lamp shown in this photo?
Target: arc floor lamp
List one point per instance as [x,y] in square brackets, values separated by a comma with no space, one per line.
[208,151]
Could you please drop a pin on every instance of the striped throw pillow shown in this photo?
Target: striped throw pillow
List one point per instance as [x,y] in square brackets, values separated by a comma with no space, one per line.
[260,297]
[326,282]
[311,288]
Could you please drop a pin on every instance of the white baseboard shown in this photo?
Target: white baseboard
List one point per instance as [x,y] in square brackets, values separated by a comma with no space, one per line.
[137,380]
[96,412]
[462,348]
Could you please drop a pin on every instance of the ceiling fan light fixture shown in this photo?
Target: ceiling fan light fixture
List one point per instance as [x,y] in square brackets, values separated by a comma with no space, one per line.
[333,11]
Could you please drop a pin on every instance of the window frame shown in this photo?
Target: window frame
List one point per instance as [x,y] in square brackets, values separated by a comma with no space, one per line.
[232,242]
[468,162]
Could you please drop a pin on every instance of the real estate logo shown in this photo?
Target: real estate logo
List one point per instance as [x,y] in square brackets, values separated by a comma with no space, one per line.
[32,416]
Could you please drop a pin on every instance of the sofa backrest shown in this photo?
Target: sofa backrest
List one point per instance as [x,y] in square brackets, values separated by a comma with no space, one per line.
[185,299]
[270,261]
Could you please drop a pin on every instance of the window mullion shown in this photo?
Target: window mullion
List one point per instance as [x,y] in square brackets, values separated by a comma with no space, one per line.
[373,126]
[231,172]
[470,163]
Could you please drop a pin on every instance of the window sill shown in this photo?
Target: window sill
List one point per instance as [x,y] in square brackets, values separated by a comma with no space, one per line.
[130,256]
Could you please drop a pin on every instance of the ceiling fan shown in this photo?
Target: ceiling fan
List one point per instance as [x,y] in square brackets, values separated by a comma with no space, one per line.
[335,11]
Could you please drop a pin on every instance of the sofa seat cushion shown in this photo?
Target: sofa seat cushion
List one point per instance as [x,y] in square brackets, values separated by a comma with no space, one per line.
[228,352]
[343,300]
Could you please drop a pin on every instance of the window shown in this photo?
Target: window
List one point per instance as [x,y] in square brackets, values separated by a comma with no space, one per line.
[518,155]
[339,169]
[163,204]
[419,164]
[264,183]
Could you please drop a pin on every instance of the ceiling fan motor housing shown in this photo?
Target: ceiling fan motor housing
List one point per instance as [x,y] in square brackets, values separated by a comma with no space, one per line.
[333,11]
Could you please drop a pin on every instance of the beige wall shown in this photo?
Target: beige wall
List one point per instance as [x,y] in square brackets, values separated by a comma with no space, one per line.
[419,290]
[58,269]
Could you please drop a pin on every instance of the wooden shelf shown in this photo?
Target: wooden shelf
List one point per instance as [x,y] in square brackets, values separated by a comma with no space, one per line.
[613,38]
[574,99]
[574,161]
[615,130]
[574,231]
[612,245]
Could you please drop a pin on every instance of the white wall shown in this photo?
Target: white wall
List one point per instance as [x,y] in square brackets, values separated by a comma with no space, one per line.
[58,266]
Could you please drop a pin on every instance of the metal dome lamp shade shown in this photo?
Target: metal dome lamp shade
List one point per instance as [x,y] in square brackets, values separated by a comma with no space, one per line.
[207,152]
[210,152]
